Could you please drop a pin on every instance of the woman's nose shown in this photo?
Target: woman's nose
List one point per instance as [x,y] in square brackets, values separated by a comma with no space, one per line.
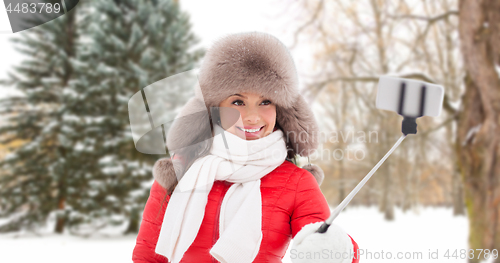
[252,116]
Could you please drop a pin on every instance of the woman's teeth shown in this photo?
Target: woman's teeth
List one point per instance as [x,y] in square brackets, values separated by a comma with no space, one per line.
[250,130]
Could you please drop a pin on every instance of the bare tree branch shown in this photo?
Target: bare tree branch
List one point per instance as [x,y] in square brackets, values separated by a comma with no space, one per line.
[425,18]
[416,75]
[308,23]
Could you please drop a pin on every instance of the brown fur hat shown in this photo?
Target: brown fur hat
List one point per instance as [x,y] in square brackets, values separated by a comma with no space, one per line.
[248,62]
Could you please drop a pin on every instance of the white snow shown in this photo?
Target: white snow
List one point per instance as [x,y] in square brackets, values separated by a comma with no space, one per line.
[456,104]
[433,229]
[71,118]
[10,156]
[94,119]
[112,142]
[69,92]
[107,159]
[472,131]
[430,230]
[112,169]
[48,127]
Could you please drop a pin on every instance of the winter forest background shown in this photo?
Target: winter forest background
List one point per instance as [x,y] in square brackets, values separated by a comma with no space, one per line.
[69,169]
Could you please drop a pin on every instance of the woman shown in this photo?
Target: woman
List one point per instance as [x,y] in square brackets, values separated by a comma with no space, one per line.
[239,198]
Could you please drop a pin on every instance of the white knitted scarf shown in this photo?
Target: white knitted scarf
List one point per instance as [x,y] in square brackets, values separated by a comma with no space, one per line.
[240,232]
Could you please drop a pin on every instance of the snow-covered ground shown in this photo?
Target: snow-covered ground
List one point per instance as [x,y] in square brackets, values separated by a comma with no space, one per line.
[413,234]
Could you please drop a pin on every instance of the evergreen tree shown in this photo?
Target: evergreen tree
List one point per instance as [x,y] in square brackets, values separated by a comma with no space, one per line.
[134,43]
[102,179]
[31,175]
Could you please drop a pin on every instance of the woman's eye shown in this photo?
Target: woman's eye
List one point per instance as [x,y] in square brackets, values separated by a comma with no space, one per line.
[266,102]
[238,103]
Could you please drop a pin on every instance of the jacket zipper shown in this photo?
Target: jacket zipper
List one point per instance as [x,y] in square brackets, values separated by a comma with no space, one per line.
[216,230]
[217,217]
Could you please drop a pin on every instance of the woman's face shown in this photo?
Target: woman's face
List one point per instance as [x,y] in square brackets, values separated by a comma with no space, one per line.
[257,115]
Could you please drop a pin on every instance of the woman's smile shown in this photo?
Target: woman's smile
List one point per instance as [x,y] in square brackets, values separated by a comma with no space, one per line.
[249,132]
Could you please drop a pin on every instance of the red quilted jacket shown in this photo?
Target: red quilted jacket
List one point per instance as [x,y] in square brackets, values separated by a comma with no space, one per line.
[291,198]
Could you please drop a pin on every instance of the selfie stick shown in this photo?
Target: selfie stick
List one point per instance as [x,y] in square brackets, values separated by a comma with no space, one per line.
[430,97]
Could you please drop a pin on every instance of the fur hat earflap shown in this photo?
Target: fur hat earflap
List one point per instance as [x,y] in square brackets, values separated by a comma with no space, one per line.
[166,172]
[190,127]
[316,171]
[299,127]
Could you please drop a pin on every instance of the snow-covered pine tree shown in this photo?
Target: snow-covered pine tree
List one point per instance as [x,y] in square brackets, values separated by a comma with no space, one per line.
[34,174]
[90,173]
[130,44]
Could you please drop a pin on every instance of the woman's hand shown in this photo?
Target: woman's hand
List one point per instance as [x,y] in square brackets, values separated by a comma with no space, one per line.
[333,246]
